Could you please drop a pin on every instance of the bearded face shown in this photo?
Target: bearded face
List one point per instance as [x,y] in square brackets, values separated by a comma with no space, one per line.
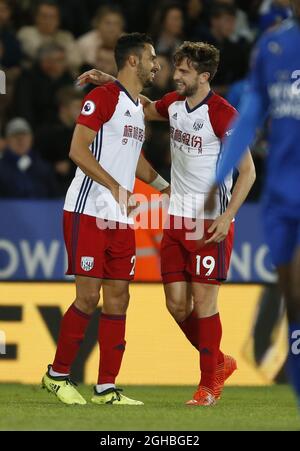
[148,66]
[187,88]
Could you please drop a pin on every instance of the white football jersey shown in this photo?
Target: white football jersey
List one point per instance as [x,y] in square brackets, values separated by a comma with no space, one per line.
[196,145]
[119,123]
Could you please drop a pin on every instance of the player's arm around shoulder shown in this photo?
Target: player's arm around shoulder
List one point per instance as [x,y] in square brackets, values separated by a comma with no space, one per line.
[159,109]
[150,110]
[94,77]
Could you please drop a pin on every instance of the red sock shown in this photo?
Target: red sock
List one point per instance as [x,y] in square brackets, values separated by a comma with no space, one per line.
[210,333]
[190,329]
[112,346]
[220,357]
[72,330]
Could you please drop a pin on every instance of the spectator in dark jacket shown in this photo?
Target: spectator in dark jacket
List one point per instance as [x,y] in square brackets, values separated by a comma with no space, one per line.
[10,47]
[23,174]
[234,55]
[54,140]
[36,89]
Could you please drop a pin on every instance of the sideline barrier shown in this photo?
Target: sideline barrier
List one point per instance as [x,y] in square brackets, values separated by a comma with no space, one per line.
[157,351]
[32,247]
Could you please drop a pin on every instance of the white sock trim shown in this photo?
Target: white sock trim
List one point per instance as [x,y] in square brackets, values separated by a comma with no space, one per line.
[102,387]
[55,374]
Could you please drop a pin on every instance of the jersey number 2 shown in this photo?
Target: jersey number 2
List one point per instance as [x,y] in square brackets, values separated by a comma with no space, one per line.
[133,261]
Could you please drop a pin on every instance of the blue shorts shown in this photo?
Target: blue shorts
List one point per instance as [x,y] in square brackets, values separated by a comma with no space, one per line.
[282,235]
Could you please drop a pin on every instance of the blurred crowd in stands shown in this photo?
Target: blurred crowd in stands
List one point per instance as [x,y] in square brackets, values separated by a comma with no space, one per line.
[45,44]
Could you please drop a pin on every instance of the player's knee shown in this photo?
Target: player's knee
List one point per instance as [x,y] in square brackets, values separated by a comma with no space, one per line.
[205,306]
[117,304]
[124,301]
[88,302]
[176,308]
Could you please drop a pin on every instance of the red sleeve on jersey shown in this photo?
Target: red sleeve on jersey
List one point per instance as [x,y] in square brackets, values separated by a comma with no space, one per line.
[221,115]
[98,107]
[162,105]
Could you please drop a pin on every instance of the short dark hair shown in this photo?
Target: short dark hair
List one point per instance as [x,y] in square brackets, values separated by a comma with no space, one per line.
[202,56]
[128,44]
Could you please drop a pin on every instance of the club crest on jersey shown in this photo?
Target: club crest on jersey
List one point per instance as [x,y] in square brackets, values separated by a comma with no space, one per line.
[198,125]
[88,108]
[87,263]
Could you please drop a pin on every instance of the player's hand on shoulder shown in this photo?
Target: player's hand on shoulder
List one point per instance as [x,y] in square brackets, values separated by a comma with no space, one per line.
[95,77]
[219,228]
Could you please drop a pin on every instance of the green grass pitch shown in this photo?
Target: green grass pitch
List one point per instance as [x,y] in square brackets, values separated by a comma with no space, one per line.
[26,407]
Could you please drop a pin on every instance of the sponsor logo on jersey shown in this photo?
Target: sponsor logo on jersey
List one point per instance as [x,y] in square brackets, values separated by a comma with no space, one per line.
[88,108]
[127,113]
[285,100]
[198,125]
[175,116]
[189,140]
[133,132]
[87,263]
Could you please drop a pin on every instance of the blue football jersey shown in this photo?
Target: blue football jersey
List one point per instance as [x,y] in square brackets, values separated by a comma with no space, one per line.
[275,76]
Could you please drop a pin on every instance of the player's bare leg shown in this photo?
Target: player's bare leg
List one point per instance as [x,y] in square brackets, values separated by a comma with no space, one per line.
[112,343]
[182,307]
[215,367]
[180,304]
[74,323]
[179,300]
[87,294]
[209,337]
[205,299]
